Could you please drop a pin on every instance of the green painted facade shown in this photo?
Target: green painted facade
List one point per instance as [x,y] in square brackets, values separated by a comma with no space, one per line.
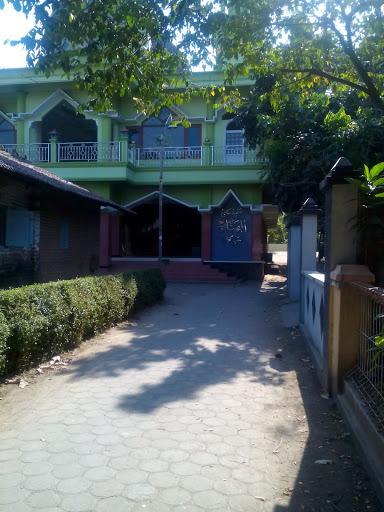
[115,170]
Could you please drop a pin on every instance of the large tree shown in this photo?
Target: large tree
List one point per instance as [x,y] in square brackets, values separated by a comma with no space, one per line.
[122,46]
[304,138]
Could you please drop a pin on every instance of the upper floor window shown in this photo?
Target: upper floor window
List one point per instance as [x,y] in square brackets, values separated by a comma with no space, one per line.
[149,133]
[7,132]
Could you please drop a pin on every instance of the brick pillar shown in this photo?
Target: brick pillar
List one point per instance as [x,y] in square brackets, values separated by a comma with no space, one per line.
[206,235]
[104,253]
[258,236]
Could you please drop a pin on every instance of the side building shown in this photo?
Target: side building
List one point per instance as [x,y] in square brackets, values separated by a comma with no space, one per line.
[214,212]
[49,228]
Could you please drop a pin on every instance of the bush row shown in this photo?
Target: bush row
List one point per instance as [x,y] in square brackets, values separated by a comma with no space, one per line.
[41,320]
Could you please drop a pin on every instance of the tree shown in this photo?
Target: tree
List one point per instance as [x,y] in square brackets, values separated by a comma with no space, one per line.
[304,138]
[337,44]
[117,47]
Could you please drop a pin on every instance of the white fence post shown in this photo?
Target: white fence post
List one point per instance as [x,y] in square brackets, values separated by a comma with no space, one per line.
[309,212]
[294,258]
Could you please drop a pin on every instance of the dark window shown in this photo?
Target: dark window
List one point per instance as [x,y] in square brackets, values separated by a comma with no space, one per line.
[7,132]
[19,228]
[2,224]
[64,234]
[193,136]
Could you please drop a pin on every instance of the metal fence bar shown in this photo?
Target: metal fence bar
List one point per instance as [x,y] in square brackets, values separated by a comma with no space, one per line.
[37,152]
[89,151]
[368,374]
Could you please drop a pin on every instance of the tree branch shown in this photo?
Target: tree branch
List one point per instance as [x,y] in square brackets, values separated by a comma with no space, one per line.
[328,76]
[349,50]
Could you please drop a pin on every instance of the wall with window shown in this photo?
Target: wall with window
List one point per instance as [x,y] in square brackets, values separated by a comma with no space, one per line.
[19,229]
[45,235]
[69,239]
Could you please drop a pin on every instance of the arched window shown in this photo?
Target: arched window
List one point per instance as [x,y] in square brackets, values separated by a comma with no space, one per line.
[148,134]
[234,143]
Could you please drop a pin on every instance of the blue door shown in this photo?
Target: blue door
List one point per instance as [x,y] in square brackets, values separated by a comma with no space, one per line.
[231,232]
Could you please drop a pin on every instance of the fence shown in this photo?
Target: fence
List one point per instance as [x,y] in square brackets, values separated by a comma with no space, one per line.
[367,376]
[312,310]
[39,152]
[88,151]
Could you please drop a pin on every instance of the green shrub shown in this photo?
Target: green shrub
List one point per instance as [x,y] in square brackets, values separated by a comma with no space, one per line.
[41,320]
[150,287]
[4,335]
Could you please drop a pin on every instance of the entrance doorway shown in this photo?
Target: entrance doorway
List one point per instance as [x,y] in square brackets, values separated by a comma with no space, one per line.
[181,230]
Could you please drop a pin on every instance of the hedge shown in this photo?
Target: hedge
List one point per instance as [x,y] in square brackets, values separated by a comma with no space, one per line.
[41,320]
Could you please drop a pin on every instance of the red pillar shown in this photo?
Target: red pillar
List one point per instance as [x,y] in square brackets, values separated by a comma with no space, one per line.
[258,236]
[206,231]
[105,253]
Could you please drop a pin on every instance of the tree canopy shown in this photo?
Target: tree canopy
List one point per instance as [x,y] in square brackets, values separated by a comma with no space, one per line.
[114,47]
[304,138]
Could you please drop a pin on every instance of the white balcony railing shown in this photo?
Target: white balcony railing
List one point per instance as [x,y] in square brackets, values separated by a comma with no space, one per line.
[189,156]
[88,151]
[148,157]
[235,155]
[39,152]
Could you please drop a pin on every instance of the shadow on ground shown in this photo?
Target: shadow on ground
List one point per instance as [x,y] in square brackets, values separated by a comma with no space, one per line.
[197,339]
[190,349]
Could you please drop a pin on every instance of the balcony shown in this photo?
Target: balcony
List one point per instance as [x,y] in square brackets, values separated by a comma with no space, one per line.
[104,152]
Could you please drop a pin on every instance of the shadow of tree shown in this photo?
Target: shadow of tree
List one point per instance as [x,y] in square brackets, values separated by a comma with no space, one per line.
[208,335]
[179,349]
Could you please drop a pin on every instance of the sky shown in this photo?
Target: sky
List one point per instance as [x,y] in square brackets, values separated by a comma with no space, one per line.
[13,25]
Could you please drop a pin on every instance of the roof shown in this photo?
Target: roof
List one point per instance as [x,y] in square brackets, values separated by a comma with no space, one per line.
[21,169]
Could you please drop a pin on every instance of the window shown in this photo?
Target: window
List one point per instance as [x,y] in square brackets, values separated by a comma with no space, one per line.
[193,135]
[64,234]
[2,225]
[7,132]
[19,228]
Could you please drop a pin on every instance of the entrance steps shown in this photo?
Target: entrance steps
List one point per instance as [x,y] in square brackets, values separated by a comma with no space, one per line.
[175,269]
[194,271]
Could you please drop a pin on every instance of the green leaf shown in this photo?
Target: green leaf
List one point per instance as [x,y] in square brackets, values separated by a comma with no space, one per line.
[378,182]
[367,173]
[377,169]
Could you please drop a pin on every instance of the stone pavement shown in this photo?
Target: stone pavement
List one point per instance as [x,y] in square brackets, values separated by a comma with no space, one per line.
[204,402]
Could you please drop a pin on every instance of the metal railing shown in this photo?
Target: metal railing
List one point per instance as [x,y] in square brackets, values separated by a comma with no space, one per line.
[88,151]
[171,156]
[368,375]
[39,152]
[235,155]
[116,151]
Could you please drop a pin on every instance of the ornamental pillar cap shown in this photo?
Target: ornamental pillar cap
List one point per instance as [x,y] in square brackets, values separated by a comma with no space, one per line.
[348,273]
[309,207]
[336,176]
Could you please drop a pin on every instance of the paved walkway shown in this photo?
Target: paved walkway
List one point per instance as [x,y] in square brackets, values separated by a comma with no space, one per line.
[205,402]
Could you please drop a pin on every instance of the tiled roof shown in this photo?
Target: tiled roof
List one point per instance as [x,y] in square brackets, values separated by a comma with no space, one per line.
[19,168]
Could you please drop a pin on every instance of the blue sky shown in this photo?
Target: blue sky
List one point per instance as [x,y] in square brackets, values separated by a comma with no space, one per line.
[13,25]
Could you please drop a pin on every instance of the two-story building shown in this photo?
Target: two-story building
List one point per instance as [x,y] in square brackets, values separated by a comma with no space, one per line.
[213,207]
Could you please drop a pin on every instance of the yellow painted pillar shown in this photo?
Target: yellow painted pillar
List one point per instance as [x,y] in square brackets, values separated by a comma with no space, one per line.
[344,321]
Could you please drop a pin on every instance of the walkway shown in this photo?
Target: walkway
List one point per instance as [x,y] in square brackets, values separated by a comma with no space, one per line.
[206,402]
